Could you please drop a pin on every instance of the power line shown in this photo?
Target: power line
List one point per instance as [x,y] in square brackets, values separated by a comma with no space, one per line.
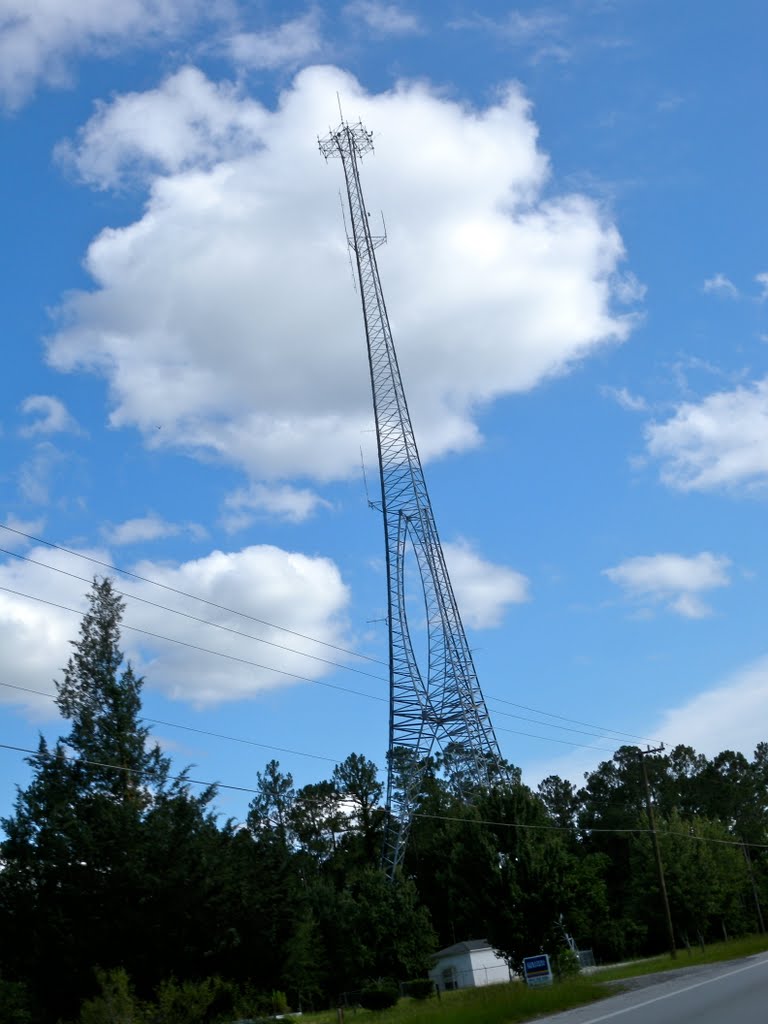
[204,650]
[196,618]
[436,817]
[191,728]
[575,828]
[555,739]
[563,718]
[300,678]
[57,547]
[293,675]
[124,768]
[606,735]
[183,593]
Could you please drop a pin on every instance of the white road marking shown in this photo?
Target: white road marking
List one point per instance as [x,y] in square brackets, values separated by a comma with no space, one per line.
[677,992]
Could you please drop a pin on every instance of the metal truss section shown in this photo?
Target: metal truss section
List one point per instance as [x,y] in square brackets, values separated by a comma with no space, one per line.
[438,707]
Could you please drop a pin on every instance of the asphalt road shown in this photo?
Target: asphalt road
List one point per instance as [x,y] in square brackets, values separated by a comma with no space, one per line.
[728,993]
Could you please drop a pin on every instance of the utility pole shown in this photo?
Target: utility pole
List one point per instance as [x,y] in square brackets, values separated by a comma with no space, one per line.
[656,850]
[755,893]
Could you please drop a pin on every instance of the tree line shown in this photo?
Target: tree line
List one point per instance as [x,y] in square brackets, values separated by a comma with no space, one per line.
[111,863]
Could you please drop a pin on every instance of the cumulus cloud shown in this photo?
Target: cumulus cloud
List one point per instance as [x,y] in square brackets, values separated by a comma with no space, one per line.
[304,594]
[721,285]
[484,590]
[53,417]
[225,314]
[382,18]
[287,45]
[721,441]
[674,580]
[148,528]
[188,122]
[294,504]
[39,38]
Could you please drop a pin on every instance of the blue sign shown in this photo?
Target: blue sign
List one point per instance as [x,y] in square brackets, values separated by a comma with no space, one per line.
[537,970]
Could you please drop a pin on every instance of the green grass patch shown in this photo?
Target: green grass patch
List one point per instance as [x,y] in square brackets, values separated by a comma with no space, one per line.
[515,1002]
[491,1004]
[717,951]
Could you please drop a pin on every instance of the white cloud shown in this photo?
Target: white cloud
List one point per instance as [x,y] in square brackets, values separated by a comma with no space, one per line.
[629,288]
[188,122]
[730,716]
[540,31]
[721,441]
[148,528]
[762,280]
[53,416]
[290,589]
[624,398]
[288,45]
[675,580]
[12,540]
[225,314]
[383,18]
[727,716]
[282,501]
[721,285]
[515,26]
[39,38]
[483,589]
[37,472]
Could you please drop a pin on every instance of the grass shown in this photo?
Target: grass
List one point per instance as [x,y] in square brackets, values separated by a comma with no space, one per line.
[491,1004]
[717,951]
[515,1002]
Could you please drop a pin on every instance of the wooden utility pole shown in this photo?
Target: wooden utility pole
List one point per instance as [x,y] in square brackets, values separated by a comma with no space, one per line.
[755,893]
[656,850]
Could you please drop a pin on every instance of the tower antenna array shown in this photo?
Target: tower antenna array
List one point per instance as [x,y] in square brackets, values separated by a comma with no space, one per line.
[440,710]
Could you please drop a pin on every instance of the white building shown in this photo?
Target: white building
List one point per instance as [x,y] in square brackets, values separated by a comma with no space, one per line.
[468,965]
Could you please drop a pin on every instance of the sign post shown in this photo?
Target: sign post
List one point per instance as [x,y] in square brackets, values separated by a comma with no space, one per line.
[537,970]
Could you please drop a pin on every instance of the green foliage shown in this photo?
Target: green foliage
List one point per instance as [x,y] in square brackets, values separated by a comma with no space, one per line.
[115,1003]
[279,1002]
[107,860]
[566,964]
[15,1007]
[420,988]
[380,998]
[188,1002]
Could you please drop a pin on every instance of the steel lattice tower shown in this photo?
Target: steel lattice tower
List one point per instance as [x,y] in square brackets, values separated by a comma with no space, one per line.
[441,709]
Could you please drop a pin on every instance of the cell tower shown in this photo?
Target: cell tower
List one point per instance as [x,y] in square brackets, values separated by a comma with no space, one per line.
[440,709]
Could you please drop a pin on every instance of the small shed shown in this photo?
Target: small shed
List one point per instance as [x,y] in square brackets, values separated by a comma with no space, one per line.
[468,964]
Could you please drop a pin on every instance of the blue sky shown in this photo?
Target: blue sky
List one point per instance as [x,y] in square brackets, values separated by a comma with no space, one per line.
[578,285]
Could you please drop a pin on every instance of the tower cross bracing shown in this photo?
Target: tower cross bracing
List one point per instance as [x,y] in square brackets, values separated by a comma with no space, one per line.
[438,707]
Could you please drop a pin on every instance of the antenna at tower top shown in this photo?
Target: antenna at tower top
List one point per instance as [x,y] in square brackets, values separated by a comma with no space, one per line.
[341,112]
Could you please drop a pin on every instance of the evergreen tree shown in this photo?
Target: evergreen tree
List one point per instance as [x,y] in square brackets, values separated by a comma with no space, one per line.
[77,890]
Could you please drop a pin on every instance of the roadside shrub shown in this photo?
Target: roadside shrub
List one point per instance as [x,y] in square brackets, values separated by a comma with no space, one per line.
[191,1002]
[420,988]
[566,964]
[378,998]
[279,1002]
[115,1003]
[14,1003]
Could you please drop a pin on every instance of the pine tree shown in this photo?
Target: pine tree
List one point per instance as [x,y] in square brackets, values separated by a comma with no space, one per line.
[77,890]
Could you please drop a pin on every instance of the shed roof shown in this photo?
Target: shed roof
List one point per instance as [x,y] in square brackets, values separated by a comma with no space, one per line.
[463,947]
